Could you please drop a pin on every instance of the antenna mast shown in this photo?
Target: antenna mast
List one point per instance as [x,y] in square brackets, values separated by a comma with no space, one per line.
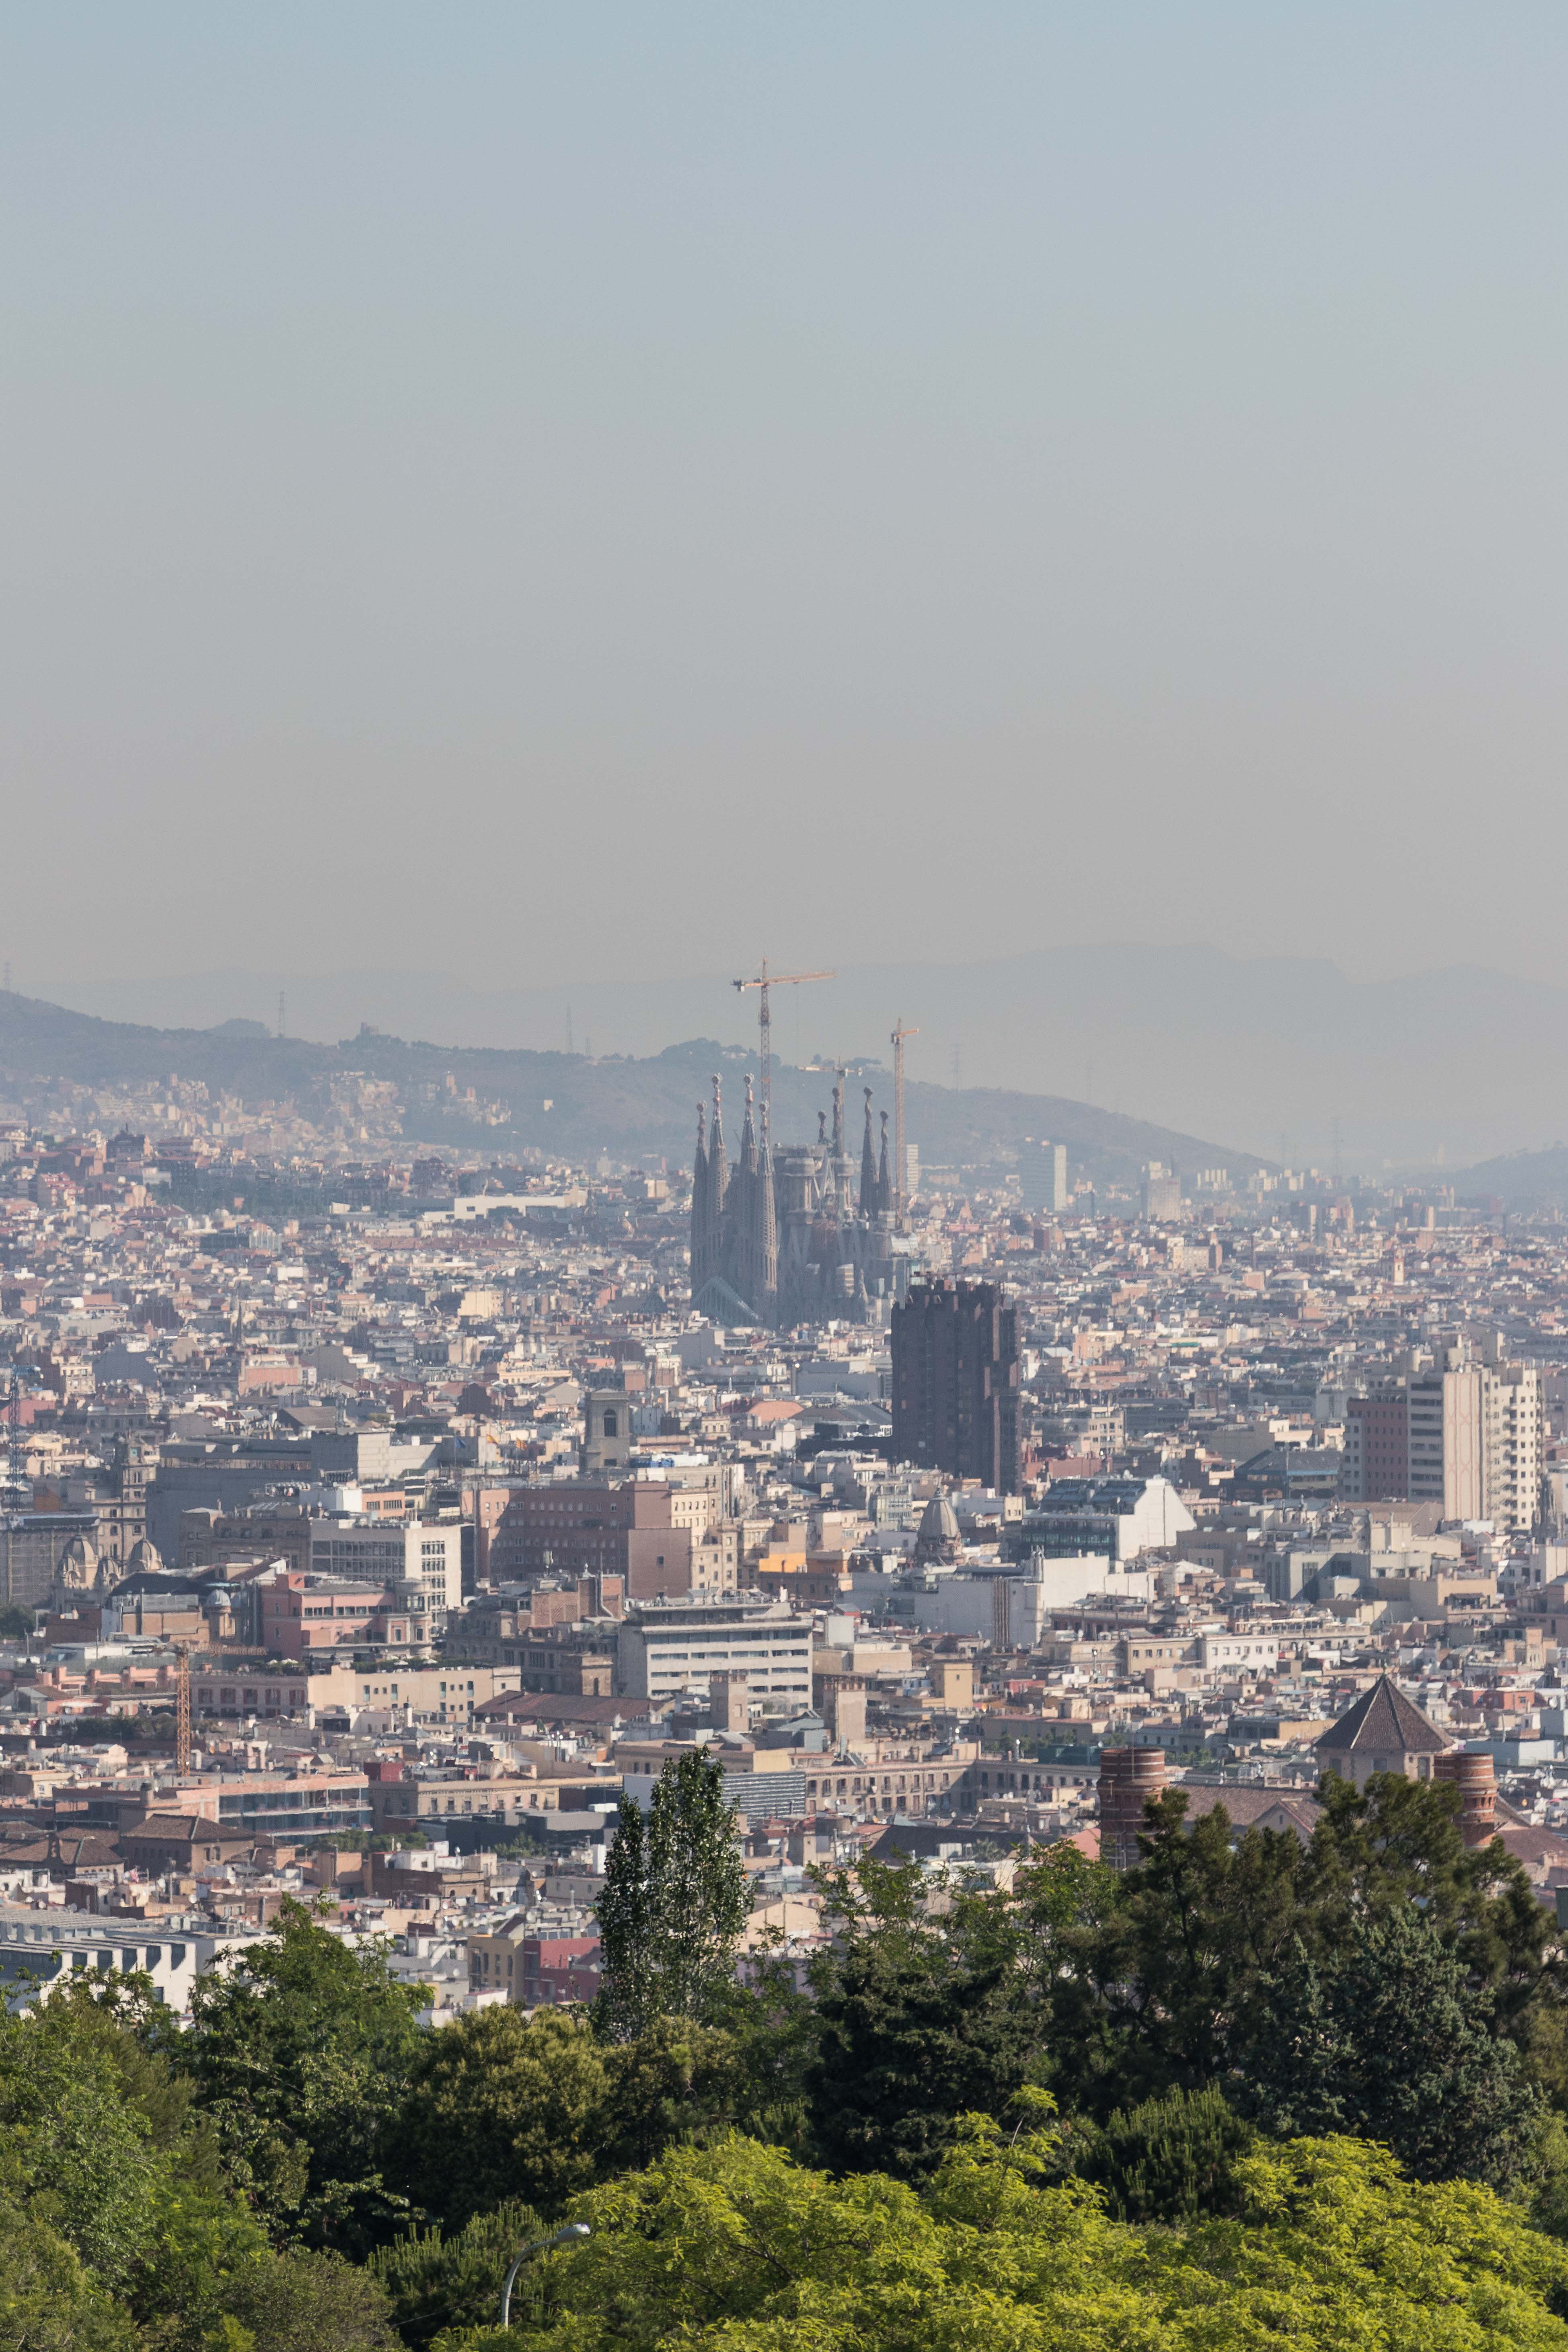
[900,1171]
[764,979]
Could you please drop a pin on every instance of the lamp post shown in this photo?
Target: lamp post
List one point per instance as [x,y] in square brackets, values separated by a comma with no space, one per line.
[572,2234]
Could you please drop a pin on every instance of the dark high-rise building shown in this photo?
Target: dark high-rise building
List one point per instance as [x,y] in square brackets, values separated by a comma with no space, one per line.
[955,1382]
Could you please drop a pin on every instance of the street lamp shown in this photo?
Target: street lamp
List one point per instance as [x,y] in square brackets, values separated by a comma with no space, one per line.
[572,2234]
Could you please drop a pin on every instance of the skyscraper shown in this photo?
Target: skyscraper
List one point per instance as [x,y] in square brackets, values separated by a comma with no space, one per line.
[1043,1177]
[955,1382]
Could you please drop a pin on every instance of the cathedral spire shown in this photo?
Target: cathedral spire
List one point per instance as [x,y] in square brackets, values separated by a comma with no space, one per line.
[748,1137]
[867,1165]
[884,1182]
[700,1246]
[717,1164]
[767,1233]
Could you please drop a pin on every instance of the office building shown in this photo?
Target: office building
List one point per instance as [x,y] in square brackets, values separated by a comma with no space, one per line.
[1043,1177]
[955,1382]
[667,1648]
[388,1552]
[1162,1195]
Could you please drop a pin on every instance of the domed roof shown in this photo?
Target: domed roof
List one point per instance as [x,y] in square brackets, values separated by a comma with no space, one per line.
[144,1559]
[939,1522]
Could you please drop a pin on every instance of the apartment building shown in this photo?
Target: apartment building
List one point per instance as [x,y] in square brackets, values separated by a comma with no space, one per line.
[1474,1437]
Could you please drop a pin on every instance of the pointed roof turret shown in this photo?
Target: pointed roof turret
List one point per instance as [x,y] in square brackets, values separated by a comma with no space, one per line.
[1381,1732]
[1382,1719]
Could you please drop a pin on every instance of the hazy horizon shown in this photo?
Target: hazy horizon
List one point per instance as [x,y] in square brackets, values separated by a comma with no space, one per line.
[527,494]
[1286,1057]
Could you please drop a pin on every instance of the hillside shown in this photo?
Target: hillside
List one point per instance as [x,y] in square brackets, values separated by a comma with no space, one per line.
[1287,1055]
[569,1104]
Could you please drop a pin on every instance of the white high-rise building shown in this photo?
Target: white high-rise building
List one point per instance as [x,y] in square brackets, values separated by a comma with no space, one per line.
[1476,1439]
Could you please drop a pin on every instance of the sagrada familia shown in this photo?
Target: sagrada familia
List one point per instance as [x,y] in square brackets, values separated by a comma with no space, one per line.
[780,1237]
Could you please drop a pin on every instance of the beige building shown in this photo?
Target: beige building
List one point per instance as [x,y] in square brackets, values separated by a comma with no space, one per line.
[1478,1441]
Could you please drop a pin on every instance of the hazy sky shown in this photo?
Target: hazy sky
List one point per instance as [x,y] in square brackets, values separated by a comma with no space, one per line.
[547,491]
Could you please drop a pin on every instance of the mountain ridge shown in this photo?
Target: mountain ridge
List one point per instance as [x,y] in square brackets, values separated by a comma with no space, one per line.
[1285,1055]
[573,1105]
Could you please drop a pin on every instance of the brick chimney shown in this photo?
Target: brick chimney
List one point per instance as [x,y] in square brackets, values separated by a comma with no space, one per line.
[1128,1777]
[1475,1777]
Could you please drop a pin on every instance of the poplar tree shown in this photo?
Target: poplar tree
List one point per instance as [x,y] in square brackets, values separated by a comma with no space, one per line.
[674,1903]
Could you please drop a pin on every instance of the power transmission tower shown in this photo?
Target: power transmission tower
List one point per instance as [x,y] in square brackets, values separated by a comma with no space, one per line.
[901,1161]
[280,1013]
[762,981]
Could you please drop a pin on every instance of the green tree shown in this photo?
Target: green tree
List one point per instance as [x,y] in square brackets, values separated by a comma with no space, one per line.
[49,2301]
[1159,1987]
[1332,2249]
[1385,2039]
[1171,2159]
[437,2282]
[302,2055]
[674,1902]
[306,2302]
[501,2105]
[105,2150]
[923,2015]
[678,2081]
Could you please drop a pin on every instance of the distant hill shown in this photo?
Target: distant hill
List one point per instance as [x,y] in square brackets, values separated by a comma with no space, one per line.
[1521,1179]
[1444,1067]
[571,1105]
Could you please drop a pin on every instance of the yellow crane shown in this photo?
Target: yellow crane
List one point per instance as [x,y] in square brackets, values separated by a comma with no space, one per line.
[764,980]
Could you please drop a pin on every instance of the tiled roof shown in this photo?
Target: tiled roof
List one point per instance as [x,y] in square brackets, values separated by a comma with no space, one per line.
[1383,1723]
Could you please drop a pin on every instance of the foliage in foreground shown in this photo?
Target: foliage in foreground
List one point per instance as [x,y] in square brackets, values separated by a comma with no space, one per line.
[1333,2250]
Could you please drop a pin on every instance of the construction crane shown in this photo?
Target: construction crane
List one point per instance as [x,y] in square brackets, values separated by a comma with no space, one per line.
[900,1165]
[182,1706]
[14,1420]
[764,980]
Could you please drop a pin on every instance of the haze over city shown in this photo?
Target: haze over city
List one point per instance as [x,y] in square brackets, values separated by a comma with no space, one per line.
[783,1200]
[900,487]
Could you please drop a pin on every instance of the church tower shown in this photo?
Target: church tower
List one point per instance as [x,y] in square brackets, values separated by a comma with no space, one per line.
[701,1250]
[766,1299]
[718,1179]
[867,1165]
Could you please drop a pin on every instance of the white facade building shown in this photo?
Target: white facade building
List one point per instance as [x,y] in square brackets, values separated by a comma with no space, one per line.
[664,1648]
[383,1551]
[41,1948]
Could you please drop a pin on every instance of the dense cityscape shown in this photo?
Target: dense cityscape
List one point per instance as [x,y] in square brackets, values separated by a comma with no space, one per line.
[460,1513]
[783,1205]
